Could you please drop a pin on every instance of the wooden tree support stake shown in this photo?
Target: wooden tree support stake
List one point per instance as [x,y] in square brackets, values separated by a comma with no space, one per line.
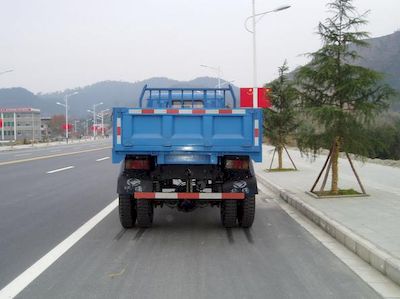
[355,173]
[287,152]
[322,170]
[328,169]
[272,161]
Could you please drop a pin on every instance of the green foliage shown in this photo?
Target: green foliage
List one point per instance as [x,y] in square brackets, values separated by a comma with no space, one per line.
[340,98]
[386,141]
[280,122]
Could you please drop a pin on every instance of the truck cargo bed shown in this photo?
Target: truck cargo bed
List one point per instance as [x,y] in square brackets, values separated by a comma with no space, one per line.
[187,136]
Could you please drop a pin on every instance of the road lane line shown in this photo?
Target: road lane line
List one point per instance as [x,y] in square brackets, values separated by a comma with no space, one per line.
[60,169]
[53,156]
[102,159]
[25,278]
[55,151]
[20,155]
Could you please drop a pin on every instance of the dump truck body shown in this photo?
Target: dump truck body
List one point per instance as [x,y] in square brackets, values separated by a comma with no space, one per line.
[185,148]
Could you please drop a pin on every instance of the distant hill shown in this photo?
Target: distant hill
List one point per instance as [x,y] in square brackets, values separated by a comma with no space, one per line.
[18,97]
[383,55]
[111,93]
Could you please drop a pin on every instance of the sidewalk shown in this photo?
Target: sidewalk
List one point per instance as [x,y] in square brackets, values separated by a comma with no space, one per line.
[369,226]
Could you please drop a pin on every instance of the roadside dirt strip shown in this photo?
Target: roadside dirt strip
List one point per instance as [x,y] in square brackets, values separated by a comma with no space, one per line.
[379,259]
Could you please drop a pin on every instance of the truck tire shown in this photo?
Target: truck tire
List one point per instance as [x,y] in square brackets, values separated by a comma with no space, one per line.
[144,209]
[228,213]
[246,211]
[127,211]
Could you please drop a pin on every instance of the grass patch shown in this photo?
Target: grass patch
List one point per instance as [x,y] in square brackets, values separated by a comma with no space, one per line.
[280,169]
[342,192]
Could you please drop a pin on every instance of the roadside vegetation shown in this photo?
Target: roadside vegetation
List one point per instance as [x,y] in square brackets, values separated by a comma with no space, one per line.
[280,121]
[385,138]
[341,104]
[340,98]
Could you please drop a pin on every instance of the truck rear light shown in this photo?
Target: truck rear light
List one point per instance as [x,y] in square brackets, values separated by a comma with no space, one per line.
[137,164]
[237,164]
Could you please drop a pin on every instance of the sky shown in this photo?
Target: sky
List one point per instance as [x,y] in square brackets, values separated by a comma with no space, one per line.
[53,45]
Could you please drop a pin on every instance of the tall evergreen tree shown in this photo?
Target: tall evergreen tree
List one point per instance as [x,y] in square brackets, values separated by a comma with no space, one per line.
[340,97]
[280,122]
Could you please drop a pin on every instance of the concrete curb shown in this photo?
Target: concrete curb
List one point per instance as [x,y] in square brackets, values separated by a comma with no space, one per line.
[378,258]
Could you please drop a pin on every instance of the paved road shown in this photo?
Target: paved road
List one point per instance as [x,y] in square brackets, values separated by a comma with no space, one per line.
[182,256]
[52,149]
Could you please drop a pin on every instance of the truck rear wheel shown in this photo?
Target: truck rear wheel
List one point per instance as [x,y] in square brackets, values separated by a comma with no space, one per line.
[228,213]
[144,209]
[127,210]
[246,211]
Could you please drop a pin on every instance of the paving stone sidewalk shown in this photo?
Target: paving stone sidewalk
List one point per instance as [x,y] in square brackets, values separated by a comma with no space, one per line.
[375,218]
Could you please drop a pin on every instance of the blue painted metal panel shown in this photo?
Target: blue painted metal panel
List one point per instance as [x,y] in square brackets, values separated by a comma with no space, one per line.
[181,136]
[166,97]
[182,139]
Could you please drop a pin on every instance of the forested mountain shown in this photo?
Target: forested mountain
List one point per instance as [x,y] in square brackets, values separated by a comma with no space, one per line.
[111,93]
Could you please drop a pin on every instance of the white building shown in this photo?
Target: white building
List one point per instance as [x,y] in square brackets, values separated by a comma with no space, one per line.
[20,124]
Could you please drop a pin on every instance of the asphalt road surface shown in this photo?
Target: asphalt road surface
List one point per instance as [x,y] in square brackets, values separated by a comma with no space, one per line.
[183,256]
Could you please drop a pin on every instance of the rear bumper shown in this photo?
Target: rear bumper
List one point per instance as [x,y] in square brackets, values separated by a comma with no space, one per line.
[188,196]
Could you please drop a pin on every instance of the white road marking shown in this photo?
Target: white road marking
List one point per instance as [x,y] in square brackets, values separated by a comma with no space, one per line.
[25,278]
[102,159]
[20,155]
[53,156]
[60,169]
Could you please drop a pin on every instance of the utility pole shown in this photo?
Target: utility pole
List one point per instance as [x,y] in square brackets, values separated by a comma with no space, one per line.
[253,32]
[102,121]
[66,113]
[94,119]
[255,90]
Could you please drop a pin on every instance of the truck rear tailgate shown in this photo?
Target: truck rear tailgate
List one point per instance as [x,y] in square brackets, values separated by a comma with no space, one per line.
[187,136]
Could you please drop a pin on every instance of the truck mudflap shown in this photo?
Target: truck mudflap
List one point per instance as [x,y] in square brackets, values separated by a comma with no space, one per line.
[246,186]
[188,195]
[139,183]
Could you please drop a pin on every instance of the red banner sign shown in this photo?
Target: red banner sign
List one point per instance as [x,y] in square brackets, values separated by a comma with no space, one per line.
[97,128]
[246,97]
[1,122]
[69,126]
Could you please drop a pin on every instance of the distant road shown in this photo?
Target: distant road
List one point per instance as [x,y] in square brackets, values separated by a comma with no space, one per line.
[42,202]
[29,153]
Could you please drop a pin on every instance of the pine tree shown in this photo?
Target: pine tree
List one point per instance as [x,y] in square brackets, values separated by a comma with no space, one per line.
[280,122]
[340,97]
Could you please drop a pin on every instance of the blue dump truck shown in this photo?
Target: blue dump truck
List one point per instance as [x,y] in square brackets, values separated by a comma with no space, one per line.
[186,148]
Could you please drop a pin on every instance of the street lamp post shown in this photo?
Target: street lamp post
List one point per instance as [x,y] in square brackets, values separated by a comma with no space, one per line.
[225,83]
[102,121]
[5,72]
[75,122]
[253,31]
[217,69]
[66,112]
[94,118]
[87,128]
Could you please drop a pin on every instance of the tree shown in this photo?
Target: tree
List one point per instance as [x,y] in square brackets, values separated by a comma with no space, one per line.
[56,124]
[280,122]
[340,97]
